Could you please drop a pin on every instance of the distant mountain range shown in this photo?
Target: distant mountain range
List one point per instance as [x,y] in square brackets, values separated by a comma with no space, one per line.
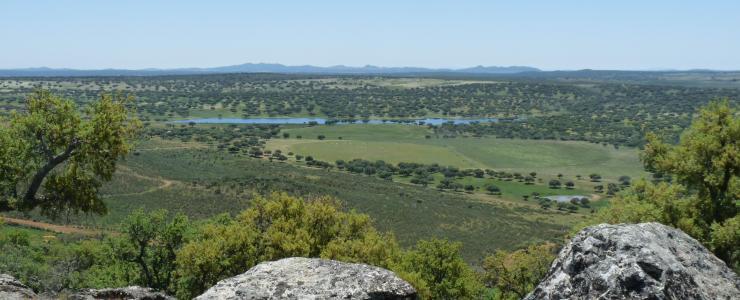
[266,68]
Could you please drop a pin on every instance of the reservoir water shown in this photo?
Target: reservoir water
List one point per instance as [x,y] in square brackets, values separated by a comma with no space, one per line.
[322,121]
[564,198]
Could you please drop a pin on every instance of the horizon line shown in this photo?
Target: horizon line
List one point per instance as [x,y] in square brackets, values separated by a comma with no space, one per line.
[668,69]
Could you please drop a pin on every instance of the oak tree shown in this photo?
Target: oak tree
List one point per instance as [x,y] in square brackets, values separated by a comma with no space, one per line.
[56,157]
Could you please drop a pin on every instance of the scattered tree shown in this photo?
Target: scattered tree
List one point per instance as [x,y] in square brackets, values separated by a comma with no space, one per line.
[493,190]
[554,184]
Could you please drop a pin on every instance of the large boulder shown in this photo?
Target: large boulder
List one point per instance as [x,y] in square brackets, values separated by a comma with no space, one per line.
[636,261]
[312,278]
[126,293]
[12,289]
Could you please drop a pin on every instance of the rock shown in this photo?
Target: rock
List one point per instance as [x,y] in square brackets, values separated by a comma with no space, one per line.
[312,278]
[126,293]
[636,261]
[12,289]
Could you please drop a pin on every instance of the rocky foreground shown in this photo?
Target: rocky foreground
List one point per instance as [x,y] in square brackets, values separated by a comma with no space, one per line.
[127,293]
[638,261]
[12,289]
[290,278]
[312,278]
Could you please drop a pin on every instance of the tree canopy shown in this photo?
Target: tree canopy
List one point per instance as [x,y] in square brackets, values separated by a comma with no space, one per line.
[55,157]
[699,188]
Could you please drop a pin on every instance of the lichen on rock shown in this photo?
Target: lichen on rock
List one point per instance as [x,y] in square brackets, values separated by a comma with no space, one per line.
[312,278]
[636,261]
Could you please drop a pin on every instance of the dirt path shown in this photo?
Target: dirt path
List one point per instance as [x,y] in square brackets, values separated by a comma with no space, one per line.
[67,229]
[172,148]
[163,183]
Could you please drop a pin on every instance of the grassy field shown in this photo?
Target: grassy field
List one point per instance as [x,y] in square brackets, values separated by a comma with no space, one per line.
[393,152]
[407,143]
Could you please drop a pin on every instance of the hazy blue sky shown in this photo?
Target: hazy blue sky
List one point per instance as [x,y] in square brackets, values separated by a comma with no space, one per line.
[621,34]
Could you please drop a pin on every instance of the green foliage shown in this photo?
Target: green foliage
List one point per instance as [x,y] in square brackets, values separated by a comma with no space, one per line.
[493,190]
[707,161]
[47,263]
[702,197]
[152,241]
[30,264]
[53,149]
[160,251]
[515,274]
[725,241]
[280,226]
[11,171]
[100,264]
[276,227]
[436,268]
[647,202]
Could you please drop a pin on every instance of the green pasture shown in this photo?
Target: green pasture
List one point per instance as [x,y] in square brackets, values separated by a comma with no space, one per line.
[409,143]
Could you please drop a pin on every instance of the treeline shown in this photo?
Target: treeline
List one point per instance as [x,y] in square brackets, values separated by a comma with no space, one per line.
[423,174]
[611,113]
[383,169]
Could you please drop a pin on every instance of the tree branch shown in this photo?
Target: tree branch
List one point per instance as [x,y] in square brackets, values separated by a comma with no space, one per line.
[29,200]
[44,148]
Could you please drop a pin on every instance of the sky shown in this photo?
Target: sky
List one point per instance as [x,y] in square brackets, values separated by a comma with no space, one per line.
[548,34]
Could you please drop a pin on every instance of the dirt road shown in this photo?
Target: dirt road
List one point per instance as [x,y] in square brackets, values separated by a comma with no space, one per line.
[67,229]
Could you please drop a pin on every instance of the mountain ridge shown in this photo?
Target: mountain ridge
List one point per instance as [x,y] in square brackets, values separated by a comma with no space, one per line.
[264,68]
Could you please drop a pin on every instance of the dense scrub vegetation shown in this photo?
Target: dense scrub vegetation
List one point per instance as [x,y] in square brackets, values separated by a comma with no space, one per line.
[185,258]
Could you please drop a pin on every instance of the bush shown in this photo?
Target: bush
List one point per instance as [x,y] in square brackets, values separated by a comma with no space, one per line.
[436,268]
[515,274]
[554,184]
[276,227]
[493,190]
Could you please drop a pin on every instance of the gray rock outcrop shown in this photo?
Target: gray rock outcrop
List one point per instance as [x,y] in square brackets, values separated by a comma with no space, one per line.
[126,293]
[12,289]
[311,278]
[636,261]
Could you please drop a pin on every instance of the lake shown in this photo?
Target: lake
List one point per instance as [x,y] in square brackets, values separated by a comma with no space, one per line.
[321,121]
[564,198]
